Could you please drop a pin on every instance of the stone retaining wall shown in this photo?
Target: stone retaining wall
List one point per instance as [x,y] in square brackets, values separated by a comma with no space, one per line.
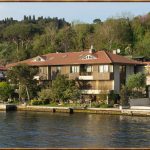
[110,111]
[139,102]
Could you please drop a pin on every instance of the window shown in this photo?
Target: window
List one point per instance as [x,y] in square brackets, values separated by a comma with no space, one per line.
[106,68]
[74,69]
[38,58]
[89,57]
[43,70]
[111,69]
[58,68]
[101,68]
[89,68]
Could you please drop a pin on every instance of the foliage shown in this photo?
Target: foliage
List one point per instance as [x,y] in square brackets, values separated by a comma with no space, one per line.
[33,36]
[13,101]
[5,91]
[99,105]
[36,102]
[102,97]
[64,89]
[136,81]
[97,21]
[113,97]
[23,75]
[95,104]
[45,94]
[103,105]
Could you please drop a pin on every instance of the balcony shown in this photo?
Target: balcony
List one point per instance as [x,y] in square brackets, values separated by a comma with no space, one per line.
[103,76]
[91,91]
[85,76]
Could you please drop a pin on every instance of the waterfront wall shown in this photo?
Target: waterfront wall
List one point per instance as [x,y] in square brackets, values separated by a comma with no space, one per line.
[139,102]
[8,107]
[108,111]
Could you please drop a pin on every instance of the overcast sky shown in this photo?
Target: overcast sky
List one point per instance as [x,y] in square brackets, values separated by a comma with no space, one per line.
[71,11]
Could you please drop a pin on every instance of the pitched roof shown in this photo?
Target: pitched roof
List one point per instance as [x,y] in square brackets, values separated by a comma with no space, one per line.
[2,68]
[147,63]
[68,58]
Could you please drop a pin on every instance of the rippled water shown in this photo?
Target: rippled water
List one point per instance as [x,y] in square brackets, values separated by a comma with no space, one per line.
[43,129]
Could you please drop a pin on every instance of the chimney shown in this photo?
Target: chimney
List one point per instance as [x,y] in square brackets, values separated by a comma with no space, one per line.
[91,50]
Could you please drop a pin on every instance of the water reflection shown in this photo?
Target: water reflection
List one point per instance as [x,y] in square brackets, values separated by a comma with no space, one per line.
[37,129]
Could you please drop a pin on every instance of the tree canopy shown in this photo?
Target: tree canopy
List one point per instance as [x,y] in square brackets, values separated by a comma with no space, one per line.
[33,36]
[5,91]
[63,89]
[23,76]
[136,84]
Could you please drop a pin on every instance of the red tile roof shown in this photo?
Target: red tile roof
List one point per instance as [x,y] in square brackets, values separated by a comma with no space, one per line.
[147,62]
[2,68]
[68,58]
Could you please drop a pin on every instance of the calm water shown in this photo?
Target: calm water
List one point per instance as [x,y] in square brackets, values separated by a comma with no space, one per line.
[37,129]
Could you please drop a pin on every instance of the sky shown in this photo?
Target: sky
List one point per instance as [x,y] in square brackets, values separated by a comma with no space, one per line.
[73,11]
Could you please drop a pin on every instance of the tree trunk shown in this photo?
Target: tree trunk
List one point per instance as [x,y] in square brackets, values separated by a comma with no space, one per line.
[27,93]
[19,92]
[17,50]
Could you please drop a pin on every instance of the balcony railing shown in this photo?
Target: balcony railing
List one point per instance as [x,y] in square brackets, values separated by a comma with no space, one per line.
[85,73]
[103,76]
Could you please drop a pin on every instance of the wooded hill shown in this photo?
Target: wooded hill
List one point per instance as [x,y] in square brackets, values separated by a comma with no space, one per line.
[32,36]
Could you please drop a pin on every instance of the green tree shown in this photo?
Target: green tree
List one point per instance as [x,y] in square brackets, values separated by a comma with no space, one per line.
[66,39]
[45,94]
[23,75]
[83,36]
[136,83]
[5,91]
[113,33]
[46,42]
[97,21]
[20,35]
[143,46]
[64,89]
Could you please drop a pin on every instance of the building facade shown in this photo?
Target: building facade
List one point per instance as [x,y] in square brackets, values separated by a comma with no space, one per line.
[94,71]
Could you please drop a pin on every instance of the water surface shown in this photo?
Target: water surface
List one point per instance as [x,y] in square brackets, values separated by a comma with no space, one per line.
[62,130]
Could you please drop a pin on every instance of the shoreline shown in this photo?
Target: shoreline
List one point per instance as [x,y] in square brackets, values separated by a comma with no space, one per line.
[108,111]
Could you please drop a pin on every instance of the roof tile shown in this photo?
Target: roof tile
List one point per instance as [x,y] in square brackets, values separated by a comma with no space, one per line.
[68,58]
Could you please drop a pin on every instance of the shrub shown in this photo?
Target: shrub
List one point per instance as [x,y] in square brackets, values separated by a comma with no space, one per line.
[95,104]
[103,105]
[53,104]
[36,102]
[46,101]
[13,101]
[136,83]
[39,102]
[102,97]
[113,97]
[45,95]
[5,91]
